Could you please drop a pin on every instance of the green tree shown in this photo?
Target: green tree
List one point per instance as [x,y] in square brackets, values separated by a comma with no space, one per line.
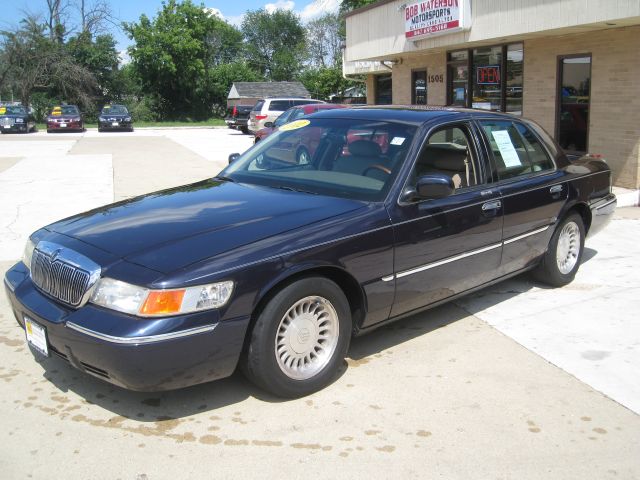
[275,43]
[323,82]
[99,57]
[173,53]
[324,41]
[223,76]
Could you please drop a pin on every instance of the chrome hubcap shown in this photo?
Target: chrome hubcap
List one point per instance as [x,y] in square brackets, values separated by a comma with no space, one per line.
[307,337]
[568,248]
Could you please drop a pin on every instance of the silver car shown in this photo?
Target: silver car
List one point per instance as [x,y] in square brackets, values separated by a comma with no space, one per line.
[269,109]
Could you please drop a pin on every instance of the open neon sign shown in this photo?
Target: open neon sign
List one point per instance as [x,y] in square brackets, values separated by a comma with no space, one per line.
[488,75]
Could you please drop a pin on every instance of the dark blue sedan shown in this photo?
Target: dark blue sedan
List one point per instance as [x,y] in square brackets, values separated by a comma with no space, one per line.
[276,263]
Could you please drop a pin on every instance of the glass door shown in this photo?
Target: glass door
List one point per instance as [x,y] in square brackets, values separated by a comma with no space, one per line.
[574,87]
[419,87]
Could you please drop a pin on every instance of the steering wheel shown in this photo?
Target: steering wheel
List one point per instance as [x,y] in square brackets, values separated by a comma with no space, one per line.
[376,166]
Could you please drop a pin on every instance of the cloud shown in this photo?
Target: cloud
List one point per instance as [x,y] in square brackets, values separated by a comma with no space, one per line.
[123,58]
[318,8]
[235,20]
[214,12]
[279,5]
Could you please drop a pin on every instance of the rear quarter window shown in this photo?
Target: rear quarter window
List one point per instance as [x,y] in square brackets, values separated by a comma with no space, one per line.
[258,106]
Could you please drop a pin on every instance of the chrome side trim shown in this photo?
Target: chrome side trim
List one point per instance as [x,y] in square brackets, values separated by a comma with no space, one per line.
[607,204]
[525,235]
[388,278]
[141,340]
[443,262]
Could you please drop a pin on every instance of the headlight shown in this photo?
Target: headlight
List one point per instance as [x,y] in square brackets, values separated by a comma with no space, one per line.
[75,119]
[128,119]
[19,120]
[28,253]
[102,119]
[134,300]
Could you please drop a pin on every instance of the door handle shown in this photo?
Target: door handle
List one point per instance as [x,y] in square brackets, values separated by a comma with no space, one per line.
[555,189]
[490,206]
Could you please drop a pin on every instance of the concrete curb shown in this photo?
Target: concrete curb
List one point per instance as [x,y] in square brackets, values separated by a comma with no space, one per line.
[627,197]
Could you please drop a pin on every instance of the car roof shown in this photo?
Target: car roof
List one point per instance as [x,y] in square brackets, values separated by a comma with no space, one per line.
[411,114]
[311,107]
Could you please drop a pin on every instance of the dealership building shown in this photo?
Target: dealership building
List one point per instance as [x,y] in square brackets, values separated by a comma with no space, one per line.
[571,65]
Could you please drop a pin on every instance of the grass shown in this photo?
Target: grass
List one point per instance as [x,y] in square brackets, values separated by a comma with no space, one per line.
[213,122]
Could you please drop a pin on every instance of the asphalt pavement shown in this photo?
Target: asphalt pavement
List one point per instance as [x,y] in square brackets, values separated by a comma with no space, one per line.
[517,381]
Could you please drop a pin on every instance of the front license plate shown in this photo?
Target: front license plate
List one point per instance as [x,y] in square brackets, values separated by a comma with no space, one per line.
[7,126]
[62,125]
[36,336]
[114,124]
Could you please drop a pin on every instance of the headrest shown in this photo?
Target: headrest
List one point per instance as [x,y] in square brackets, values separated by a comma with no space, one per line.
[444,158]
[365,148]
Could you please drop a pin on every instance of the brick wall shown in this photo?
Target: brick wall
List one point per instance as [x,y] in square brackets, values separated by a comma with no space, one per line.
[614,120]
[435,65]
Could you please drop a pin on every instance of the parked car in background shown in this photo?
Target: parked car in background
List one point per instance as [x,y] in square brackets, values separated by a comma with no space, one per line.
[115,117]
[275,265]
[269,109]
[16,118]
[238,117]
[64,118]
[292,114]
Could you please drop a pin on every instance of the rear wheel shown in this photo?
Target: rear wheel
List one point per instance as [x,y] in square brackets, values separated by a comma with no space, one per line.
[300,338]
[562,259]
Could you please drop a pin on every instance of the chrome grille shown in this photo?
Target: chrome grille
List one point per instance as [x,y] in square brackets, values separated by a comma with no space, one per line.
[7,121]
[63,274]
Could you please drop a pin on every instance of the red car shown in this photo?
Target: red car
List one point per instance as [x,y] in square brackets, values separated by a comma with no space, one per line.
[292,114]
[64,118]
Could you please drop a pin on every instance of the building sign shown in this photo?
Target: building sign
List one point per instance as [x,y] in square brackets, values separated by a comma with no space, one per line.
[434,17]
[488,75]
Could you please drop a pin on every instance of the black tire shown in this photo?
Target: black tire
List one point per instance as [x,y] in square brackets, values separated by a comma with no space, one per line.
[49,130]
[244,130]
[549,271]
[260,362]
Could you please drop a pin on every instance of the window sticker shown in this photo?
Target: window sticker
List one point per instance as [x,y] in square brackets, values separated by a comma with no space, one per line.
[508,152]
[294,125]
[3,110]
[397,140]
[56,111]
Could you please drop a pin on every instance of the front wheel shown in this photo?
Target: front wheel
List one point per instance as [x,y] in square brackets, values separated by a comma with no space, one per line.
[562,259]
[300,338]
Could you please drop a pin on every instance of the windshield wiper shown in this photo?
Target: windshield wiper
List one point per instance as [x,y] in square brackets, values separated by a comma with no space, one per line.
[225,179]
[291,189]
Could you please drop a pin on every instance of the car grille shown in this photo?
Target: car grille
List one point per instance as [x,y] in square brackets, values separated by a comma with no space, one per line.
[7,121]
[60,277]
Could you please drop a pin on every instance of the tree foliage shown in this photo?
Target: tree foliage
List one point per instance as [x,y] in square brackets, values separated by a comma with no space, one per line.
[275,43]
[324,41]
[173,54]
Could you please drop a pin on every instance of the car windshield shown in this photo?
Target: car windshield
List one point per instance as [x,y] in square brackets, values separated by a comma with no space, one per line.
[65,110]
[347,158]
[13,110]
[115,110]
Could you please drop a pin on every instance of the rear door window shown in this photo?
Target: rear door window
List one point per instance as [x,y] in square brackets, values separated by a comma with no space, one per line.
[516,150]
[279,105]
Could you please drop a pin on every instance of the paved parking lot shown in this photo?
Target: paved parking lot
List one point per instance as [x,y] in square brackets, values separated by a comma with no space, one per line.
[516,381]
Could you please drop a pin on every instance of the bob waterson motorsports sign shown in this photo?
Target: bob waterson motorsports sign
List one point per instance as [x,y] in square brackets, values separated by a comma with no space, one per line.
[435,17]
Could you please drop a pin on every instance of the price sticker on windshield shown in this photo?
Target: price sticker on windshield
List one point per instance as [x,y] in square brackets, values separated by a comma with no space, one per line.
[295,125]
[3,110]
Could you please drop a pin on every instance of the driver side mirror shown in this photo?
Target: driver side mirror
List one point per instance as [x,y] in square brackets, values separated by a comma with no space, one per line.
[430,187]
[233,157]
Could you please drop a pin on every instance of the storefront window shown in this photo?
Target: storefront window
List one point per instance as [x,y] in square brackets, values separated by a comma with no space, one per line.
[487,78]
[383,89]
[494,76]
[514,79]
[419,87]
[458,67]
[574,97]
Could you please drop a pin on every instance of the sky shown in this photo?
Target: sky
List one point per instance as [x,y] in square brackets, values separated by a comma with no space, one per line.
[130,10]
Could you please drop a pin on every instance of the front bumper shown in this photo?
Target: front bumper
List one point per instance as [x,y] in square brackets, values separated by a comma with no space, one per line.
[121,125]
[16,127]
[133,353]
[78,126]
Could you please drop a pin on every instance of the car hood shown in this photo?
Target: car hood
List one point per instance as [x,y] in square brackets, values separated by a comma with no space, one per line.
[63,117]
[14,115]
[112,115]
[171,229]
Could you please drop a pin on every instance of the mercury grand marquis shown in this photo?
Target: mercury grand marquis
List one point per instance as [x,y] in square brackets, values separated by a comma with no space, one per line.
[275,263]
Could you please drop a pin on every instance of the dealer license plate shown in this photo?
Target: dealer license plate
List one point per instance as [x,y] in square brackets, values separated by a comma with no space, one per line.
[36,336]
[114,124]
[62,125]
[7,126]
